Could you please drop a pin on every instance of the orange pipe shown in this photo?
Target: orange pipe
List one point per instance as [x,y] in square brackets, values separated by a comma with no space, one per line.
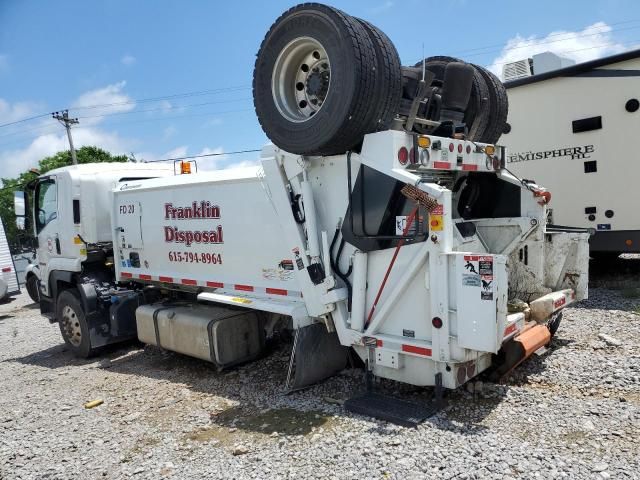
[532,339]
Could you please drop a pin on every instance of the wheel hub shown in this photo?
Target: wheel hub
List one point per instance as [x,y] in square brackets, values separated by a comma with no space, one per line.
[318,85]
[301,79]
[71,326]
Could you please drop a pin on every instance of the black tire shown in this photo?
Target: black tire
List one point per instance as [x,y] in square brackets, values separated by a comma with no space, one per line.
[498,107]
[477,114]
[345,111]
[388,92]
[73,327]
[33,288]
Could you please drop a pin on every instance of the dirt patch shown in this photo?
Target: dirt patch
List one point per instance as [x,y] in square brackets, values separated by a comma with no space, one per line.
[240,423]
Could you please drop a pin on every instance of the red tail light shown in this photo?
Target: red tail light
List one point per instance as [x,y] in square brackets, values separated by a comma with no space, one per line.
[403,155]
[459,148]
[451,147]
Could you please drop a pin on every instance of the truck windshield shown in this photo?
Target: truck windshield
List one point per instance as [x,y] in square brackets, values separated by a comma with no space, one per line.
[46,203]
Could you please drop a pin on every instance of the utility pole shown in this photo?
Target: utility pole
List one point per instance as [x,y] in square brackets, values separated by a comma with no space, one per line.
[63,118]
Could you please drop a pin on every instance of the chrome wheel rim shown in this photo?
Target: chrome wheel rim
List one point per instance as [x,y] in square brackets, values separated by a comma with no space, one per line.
[71,325]
[301,79]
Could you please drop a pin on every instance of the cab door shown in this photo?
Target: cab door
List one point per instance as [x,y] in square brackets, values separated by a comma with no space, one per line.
[45,212]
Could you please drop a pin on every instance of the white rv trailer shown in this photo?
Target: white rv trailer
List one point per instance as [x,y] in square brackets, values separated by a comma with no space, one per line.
[570,130]
[8,278]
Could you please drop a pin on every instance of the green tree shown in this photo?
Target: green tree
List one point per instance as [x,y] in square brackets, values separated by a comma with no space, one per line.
[60,159]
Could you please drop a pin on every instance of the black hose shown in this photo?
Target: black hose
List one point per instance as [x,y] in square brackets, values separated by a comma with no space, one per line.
[336,268]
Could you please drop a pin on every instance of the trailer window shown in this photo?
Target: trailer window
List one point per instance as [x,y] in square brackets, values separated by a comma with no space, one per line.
[46,203]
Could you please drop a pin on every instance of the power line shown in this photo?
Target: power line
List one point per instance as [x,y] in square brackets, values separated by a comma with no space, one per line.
[166,97]
[25,119]
[572,51]
[533,43]
[142,100]
[569,35]
[189,157]
[495,45]
[172,107]
[164,118]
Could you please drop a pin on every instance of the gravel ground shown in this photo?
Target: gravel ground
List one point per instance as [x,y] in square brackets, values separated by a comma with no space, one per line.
[572,412]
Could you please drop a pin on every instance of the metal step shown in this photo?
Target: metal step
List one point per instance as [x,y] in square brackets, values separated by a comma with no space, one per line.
[391,409]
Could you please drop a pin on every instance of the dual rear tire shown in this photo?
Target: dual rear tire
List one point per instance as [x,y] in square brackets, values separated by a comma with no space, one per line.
[488,107]
[323,79]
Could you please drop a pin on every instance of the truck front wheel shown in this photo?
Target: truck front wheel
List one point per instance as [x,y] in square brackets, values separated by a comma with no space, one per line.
[33,287]
[73,324]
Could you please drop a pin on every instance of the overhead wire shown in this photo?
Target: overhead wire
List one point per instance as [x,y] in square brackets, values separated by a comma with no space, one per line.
[190,157]
[553,35]
[630,43]
[569,35]
[135,101]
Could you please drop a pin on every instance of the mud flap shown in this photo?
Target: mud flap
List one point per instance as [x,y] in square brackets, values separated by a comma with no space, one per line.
[316,355]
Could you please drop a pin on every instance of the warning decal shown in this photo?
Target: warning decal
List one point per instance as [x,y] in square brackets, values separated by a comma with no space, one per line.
[470,280]
[436,221]
[299,263]
[485,267]
[401,225]
[471,264]
[478,272]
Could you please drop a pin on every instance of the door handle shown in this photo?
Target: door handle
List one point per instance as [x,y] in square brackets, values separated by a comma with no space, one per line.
[58,251]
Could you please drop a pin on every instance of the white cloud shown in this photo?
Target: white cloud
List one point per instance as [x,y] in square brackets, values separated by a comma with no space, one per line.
[176,152]
[14,161]
[128,60]
[112,96]
[4,63]
[594,41]
[17,111]
[213,162]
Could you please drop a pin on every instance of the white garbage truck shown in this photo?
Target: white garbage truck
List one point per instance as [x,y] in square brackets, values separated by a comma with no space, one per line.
[393,232]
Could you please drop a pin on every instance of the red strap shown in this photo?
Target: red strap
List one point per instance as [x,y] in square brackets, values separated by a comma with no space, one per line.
[393,260]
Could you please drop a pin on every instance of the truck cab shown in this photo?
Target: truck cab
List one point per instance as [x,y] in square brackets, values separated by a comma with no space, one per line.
[71,224]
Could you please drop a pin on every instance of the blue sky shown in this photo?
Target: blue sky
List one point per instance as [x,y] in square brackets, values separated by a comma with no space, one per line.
[74,53]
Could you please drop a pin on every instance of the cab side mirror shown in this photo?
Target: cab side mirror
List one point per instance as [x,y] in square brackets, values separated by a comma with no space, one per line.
[20,208]
[19,203]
